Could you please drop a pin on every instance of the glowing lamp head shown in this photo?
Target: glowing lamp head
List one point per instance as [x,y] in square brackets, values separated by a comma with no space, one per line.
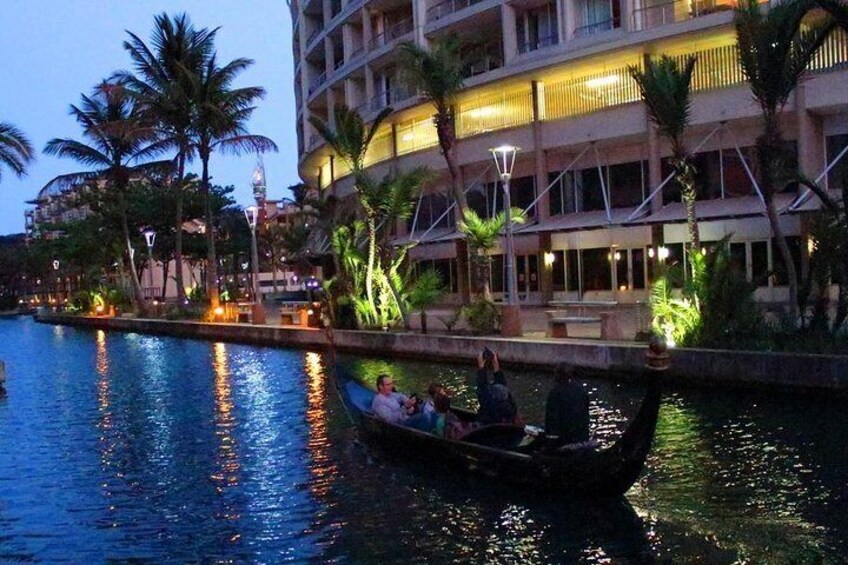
[504,157]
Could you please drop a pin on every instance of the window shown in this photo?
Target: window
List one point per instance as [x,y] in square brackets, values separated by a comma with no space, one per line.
[596,274]
[497,273]
[432,210]
[590,188]
[572,269]
[837,177]
[778,267]
[558,271]
[759,263]
[562,194]
[638,262]
[619,258]
[627,183]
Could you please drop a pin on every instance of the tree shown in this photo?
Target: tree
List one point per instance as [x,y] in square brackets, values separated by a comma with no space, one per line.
[438,75]
[119,138]
[837,10]
[15,149]
[482,235]
[426,289]
[163,83]
[220,124]
[774,52]
[665,88]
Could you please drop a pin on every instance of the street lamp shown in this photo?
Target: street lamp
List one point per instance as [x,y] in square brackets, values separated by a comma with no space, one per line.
[251,213]
[504,157]
[149,238]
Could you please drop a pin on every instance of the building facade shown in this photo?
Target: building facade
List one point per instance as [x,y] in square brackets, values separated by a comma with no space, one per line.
[592,173]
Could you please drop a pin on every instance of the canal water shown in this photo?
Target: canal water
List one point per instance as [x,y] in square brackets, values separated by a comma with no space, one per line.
[117,447]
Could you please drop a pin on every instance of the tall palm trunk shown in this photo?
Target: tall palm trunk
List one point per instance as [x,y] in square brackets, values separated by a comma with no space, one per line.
[446,133]
[685,175]
[138,295]
[768,148]
[178,230]
[211,258]
[369,268]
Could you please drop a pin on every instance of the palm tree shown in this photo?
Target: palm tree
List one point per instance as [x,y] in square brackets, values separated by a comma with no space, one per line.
[119,138]
[163,82]
[774,53]
[438,75]
[351,137]
[665,88]
[15,149]
[482,235]
[837,10]
[220,124]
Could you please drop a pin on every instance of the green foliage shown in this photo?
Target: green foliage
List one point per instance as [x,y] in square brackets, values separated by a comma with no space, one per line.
[83,301]
[426,289]
[16,152]
[482,235]
[482,316]
[665,88]
[716,307]
[197,294]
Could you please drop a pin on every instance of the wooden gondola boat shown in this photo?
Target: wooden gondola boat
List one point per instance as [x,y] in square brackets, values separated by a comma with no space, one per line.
[505,452]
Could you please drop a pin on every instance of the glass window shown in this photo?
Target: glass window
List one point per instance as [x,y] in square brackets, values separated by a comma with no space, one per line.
[597,274]
[590,188]
[533,273]
[759,263]
[638,260]
[555,194]
[619,257]
[572,270]
[837,177]
[558,271]
[736,180]
[708,175]
[522,192]
[778,267]
[627,184]
[497,273]
[738,257]
[476,199]
[675,263]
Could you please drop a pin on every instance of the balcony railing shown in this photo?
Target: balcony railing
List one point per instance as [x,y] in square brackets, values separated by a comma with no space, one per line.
[444,9]
[597,27]
[537,44]
[319,80]
[675,11]
[313,36]
[392,33]
[484,65]
[394,96]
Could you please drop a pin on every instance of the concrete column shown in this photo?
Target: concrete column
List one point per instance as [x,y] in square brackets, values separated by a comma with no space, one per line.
[367,32]
[569,19]
[347,41]
[539,154]
[419,20]
[510,37]
[327,7]
[369,87]
[626,14]
[331,105]
[811,152]
[463,274]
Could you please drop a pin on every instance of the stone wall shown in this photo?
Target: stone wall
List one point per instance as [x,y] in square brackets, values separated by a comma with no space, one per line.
[687,366]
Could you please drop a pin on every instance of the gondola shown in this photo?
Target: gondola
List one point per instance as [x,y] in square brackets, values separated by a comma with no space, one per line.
[505,452]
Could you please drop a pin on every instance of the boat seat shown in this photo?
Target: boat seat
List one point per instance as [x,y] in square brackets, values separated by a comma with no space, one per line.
[499,436]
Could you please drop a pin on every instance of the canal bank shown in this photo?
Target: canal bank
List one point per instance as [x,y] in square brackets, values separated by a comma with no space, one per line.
[688,366]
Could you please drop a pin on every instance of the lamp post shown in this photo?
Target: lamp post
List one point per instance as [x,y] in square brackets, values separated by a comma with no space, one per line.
[251,213]
[149,238]
[504,157]
[58,278]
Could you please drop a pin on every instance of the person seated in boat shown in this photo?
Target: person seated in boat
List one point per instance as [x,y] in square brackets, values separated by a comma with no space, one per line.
[394,407]
[497,406]
[447,424]
[429,407]
[567,409]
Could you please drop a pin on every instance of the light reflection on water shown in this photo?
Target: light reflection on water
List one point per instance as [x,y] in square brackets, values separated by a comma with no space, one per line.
[121,446]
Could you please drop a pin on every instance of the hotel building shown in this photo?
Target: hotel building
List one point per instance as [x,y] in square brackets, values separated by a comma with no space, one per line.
[592,173]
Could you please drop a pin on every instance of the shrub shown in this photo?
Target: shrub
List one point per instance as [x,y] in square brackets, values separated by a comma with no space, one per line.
[482,316]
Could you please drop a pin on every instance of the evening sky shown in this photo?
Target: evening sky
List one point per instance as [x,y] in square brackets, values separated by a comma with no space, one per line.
[51,51]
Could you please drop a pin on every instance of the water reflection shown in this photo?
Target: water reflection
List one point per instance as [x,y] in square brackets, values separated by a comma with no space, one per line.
[227,458]
[323,468]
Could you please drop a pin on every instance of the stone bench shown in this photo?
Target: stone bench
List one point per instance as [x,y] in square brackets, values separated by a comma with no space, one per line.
[294,314]
[558,324]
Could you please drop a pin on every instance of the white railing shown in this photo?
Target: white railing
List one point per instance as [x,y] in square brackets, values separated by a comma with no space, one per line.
[394,32]
[447,8]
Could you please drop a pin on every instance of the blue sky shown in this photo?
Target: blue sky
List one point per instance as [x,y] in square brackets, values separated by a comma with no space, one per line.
[51,51]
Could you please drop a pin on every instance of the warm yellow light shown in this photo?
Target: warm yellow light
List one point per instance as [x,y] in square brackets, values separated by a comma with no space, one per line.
[99,308]
[623,287]
[618,256]
[811,245]
[600,82]
[409,136]
[651,252]
[310,311]
[663,253]
[482,112]
[219,311]
[550,258]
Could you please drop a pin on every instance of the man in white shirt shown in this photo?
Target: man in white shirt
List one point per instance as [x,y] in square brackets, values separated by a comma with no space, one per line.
[394,407]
